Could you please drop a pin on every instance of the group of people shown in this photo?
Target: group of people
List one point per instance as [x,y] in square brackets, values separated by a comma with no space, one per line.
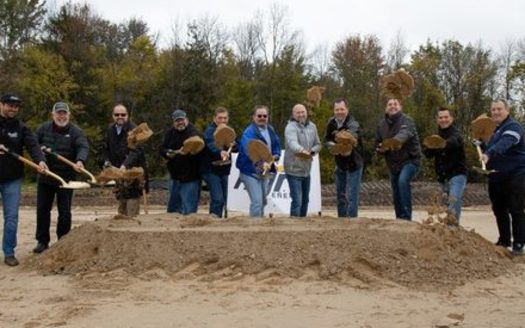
[55,139]
[396,139]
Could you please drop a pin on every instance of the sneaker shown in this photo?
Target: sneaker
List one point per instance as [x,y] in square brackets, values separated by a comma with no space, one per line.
[502,244]
[517,249]
[11,260]
[40,247]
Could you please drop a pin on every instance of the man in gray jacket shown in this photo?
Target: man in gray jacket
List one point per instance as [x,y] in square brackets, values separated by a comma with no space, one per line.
[302,142]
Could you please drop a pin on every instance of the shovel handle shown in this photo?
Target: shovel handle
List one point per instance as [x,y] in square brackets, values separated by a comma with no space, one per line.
[37,168]
[480,155]
[70,163]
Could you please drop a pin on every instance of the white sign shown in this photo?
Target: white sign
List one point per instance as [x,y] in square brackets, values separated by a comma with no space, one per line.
[279,199]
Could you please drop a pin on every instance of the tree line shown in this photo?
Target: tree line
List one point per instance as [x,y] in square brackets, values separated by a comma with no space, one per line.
[74,55]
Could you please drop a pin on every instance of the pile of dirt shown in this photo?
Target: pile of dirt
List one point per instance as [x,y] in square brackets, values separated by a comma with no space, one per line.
[373,252]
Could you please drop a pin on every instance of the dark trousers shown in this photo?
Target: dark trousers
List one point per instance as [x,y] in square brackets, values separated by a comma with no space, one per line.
[44,202]
[508,199]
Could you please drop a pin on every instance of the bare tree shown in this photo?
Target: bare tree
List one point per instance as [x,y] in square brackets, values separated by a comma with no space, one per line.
[397,52]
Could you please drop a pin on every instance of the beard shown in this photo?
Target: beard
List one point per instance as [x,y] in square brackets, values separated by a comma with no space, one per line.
[61,124]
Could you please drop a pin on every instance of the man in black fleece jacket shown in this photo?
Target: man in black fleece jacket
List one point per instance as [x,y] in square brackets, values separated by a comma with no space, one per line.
[14,136]
[183,168]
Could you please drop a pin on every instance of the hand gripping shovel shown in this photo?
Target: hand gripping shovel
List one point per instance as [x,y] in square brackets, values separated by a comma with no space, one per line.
[92,179]
[483,169]
[63,183]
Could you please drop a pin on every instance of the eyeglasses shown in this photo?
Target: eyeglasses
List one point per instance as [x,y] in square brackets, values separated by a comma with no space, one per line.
[120,114]
[262,115]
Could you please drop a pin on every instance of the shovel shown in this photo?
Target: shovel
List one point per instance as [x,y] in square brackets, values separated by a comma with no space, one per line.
[92,179]
[483,169]
[63,183]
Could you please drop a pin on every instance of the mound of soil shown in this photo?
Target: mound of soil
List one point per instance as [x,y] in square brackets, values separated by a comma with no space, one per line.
[371,251]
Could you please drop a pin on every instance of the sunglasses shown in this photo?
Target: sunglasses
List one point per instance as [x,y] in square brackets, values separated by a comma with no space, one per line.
[120,114]
[262,115]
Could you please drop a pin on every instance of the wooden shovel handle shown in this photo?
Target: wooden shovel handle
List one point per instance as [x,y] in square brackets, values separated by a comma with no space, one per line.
[37,167]
[70,163]
[480,154]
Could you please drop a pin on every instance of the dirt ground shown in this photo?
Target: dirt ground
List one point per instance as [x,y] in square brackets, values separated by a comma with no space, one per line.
[163,271]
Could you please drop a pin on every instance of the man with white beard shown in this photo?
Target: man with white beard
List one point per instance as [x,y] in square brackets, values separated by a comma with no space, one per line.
[68,140]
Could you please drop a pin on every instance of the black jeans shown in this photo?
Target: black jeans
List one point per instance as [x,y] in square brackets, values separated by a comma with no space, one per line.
[508,197]
[44,202]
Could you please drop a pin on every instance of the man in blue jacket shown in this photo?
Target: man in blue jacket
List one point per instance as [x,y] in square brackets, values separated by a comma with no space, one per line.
[257,185]
[505,153]
[216,176]
[14,137]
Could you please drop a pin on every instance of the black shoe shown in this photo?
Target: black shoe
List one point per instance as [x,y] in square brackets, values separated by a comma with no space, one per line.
[40,248]
[502,244]
[11,260]
[517,249]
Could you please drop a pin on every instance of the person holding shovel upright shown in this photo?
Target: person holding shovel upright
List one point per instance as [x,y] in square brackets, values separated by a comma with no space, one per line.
[504,155]
[58,137]
[14,136]
[117,152]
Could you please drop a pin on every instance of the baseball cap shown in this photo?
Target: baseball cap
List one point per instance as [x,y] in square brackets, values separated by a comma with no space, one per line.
[177,114]
[60,106]
[10,98]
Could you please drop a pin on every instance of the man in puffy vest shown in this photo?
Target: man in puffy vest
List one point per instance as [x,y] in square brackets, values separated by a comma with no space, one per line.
[68,140]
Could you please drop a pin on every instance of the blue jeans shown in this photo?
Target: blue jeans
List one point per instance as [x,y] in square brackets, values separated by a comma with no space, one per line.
[454,189]
[184,197]
[299,192]
[10,191]
[348,186]
[218,186]
[257,189]
[401,190]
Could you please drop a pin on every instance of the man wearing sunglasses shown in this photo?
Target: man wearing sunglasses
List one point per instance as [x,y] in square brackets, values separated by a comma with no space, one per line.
[14,136]
[257,185]
[117,153]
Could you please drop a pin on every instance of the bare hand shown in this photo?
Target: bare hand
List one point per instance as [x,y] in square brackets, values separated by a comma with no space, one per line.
[381,149]
[3,149]
[484,158]
[78,166]
[42,167]
[122,168]
[224,155]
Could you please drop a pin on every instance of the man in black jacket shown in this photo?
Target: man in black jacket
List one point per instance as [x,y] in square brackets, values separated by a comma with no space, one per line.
[403,162]
[449,162]
[117,153]
[14,136]
[183,168]
[349,168]
[68,140]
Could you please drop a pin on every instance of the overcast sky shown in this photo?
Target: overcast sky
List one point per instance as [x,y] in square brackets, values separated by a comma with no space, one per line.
[329,21]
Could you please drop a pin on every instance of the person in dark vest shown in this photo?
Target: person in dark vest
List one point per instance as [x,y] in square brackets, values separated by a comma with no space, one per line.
[68,140]
[116,153]
[14,137]
[505,153]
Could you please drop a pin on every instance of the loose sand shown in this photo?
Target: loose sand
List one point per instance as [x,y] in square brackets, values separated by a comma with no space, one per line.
[166,271]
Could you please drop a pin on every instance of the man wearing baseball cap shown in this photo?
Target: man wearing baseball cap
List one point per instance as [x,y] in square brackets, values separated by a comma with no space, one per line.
[64,138]
[14,136]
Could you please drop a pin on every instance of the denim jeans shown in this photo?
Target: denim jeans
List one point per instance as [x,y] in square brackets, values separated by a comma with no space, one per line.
[299,192]
[401,190]
[257,189]
[45,196]
[10,191]
[218,186]
[348,186]
[184,197]
[454,189]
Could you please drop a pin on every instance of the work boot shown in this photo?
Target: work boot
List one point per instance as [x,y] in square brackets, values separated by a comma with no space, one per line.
[502,243]
[11,260]
[40,247]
